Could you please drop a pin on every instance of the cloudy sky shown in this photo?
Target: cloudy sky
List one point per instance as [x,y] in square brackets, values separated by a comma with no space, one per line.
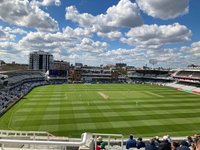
[98,32]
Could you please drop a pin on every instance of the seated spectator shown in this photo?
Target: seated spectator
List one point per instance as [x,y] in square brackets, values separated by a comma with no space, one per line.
[131,142]
[151,145]
[166,143]
[184,143]
[140,143]
[183,146]
[103,144]
[157,141]
[98,147]
[100,144]
[196,144]
[164,146]
[99,140]
[167,139]
[174,145]
[189,140]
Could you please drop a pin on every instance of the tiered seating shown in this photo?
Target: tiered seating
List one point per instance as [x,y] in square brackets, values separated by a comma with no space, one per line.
[188,77]
[196,74]
[19,83]
[150,76]
[13,94]
[188,74]
[14,78]
[184,73]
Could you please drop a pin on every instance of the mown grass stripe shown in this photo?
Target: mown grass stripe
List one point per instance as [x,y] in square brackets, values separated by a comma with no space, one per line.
[102,118]
[93,110]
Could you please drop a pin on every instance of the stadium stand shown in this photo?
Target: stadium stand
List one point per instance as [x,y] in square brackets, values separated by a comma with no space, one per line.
[158,76]
[17,77]
[16,84]
[3,80]
[92,74]
[187,80]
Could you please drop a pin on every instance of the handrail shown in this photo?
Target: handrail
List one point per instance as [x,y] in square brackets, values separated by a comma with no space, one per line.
[25,133]
[103,134]
[15,131]
[109,138]
[34,142]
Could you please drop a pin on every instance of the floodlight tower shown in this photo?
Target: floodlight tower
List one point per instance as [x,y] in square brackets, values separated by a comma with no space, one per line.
[153,62]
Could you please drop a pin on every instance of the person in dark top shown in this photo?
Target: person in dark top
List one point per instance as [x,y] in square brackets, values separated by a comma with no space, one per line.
[140,143]
[151,145]
[184,146]
[164,145]
[157,141]
[174,145]
[99,141]
[131,142]
[189,140]
[184,143]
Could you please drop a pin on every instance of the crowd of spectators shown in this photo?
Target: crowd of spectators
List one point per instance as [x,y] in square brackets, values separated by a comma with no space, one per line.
[167,143]
[12,94]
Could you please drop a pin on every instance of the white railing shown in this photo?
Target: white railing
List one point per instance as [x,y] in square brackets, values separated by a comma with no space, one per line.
[26,133]
[35,141]
[108,138]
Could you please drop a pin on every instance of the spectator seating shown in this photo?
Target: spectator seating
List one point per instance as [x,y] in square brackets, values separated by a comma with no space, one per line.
[19,84]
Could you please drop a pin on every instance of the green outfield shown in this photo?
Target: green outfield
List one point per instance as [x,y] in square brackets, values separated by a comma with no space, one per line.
[71,109]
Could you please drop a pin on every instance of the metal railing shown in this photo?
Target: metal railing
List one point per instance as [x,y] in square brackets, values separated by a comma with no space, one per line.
[108,137]
[4,134]
[8,133]
[35,138]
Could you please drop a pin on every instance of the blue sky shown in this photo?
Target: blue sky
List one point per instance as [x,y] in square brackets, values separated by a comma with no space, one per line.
[98,32]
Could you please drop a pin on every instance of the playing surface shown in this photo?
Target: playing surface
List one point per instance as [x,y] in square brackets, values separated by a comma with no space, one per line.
[71,109]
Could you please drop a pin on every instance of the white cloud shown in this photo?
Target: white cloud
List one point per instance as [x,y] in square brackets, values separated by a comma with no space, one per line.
[70,41]
[139,57]
[28,14]
[118,52]
[46,41]
[49,2]
[110,35]
[9,51]
[164,9]
[124,14]
[77,32]
[194,49]
[154,36]
[15,30]
[8,34]
[89,46]
[5,36]
[8,47]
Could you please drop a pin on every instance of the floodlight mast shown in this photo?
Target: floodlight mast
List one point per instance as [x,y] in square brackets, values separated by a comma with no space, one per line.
[153,62]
